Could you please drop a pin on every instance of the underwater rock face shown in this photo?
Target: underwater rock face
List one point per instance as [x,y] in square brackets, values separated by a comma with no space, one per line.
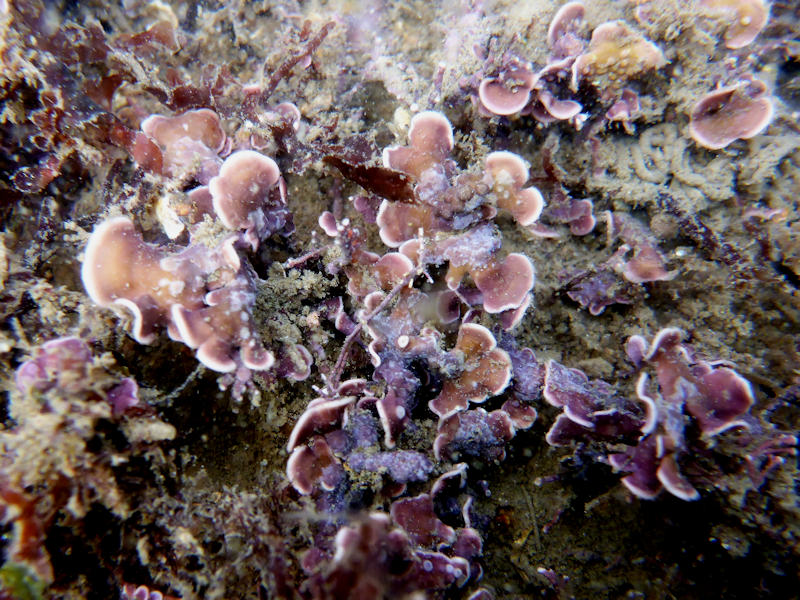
[461,300]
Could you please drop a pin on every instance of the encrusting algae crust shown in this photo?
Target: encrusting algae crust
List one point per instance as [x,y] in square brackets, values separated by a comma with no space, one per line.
[314,414]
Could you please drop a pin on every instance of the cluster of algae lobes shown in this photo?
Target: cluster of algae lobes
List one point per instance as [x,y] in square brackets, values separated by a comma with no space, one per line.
[598,538]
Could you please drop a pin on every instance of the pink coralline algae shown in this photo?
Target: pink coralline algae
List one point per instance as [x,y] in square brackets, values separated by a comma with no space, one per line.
[614,55]
[203,298]
[691,393]
[142,592]
[191,143]
[323,413]
[56,462]
[403,301]
[600,287]
[426,543]
[715,395]
[486,372]
[452,211]
[519,89]
[564,35]
[625,109]
[403,323]
[475,433]
[578,214]
[430,140]
[647,262]
[339,431]
[374,559]
[671,425]
[506,174]
[550,108]
[58,363]
[746,19]
[63,364]
[313,464]
[241,190]
[738,111]
[590,409]
[416,515]
[618,280]
[509,93]
[336,443]
[203,295]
